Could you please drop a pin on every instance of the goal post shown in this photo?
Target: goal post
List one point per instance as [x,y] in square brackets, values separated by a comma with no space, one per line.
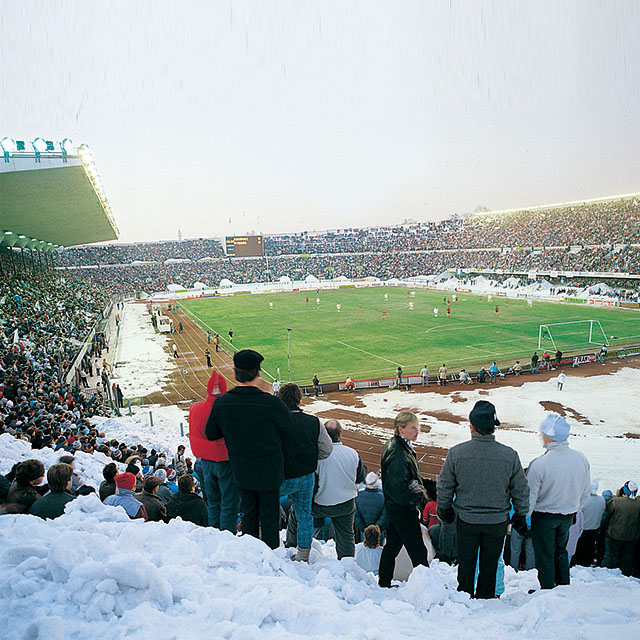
[574,334]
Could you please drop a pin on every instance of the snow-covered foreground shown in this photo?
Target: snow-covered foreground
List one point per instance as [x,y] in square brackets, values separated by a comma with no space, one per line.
[93,573]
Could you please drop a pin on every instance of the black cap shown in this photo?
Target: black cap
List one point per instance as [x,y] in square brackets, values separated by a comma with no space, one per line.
[247,359]
[483,415]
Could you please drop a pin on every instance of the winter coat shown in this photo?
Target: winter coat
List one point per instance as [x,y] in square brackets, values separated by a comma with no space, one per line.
[559,480]
[125,498]
[156,509]
[164,493]
[624,523]
[370,509]
[188,506]
[52,505]
[486,477]
[24,496]
[399,471]
[254,425]
[199,412]
[308,443]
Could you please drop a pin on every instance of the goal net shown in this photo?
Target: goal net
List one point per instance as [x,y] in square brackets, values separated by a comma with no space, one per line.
[566,336]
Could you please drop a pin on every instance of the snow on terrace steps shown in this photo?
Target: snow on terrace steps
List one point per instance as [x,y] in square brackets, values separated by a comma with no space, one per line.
[95,573]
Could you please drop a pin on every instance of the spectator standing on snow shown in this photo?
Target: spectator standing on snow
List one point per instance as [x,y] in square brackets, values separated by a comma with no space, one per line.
[254,424]
[559,484]
[338,476]
[404,494]
[179,461]
[593,511]
[486,479]
[561,378]
[223,499]
[307,443]
[624,528]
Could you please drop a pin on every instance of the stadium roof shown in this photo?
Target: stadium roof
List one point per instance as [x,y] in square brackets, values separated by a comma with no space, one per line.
[51,197]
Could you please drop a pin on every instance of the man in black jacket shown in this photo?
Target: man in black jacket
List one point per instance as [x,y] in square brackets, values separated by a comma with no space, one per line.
[254,425]
[52,504]
[309,442]
[403,494]
[186,504]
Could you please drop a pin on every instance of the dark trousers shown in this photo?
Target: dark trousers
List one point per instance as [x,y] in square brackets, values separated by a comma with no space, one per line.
[342,521]
[403,528]
[550,533]
[585,554]
[620,555]
[261,512]
[488,540]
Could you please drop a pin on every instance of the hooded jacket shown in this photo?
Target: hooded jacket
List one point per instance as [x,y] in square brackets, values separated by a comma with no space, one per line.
[201,446]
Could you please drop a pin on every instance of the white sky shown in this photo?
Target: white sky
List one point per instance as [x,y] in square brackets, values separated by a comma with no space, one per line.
[229,117]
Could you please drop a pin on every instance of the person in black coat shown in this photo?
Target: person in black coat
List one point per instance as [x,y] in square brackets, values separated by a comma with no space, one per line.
[254,425]
[309,442]
[26,488]
[403,493]
[186,504]
[156,509]
[52,505]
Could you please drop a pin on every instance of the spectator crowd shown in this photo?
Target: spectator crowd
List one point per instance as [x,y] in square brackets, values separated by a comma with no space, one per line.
[594,237]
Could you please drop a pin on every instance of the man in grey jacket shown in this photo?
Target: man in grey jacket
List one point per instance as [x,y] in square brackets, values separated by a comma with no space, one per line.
[485,477]
[559,481]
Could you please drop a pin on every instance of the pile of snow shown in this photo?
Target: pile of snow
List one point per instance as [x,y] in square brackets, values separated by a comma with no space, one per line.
[93,573]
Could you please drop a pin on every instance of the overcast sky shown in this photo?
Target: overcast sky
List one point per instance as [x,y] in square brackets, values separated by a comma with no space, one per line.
[231,117]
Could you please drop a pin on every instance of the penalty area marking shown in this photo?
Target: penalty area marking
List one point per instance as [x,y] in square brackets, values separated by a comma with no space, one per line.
[369,353]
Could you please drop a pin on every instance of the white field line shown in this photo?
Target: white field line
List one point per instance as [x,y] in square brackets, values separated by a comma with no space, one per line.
[369,353]
[470,346]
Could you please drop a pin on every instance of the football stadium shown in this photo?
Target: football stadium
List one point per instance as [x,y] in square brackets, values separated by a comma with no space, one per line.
[276,426]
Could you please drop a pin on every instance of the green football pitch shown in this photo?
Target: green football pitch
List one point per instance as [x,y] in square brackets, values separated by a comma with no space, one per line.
[369,336]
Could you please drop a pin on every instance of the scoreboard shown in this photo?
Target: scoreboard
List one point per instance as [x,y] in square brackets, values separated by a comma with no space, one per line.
[244,246]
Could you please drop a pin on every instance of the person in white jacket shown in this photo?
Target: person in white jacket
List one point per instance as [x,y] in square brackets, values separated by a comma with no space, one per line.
[559,483]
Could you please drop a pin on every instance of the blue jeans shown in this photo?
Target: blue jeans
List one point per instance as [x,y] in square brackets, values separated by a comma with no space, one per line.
[223,499]
[300,490]
[494,378]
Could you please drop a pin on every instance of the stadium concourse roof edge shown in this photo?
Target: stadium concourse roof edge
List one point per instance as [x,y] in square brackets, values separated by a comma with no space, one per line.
[52,196]
[542,207]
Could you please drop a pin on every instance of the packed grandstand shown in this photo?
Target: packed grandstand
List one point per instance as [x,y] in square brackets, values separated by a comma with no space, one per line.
[585,239]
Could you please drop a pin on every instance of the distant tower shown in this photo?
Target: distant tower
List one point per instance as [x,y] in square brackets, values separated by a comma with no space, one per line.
[179,235]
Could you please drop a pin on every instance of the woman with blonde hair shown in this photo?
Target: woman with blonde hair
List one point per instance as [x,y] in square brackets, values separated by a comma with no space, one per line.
[403,494]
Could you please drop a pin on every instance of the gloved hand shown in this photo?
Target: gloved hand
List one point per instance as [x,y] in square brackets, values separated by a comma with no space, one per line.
[519,524]
[447,516]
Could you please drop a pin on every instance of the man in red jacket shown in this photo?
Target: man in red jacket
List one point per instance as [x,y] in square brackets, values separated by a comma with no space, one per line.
[223,499]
